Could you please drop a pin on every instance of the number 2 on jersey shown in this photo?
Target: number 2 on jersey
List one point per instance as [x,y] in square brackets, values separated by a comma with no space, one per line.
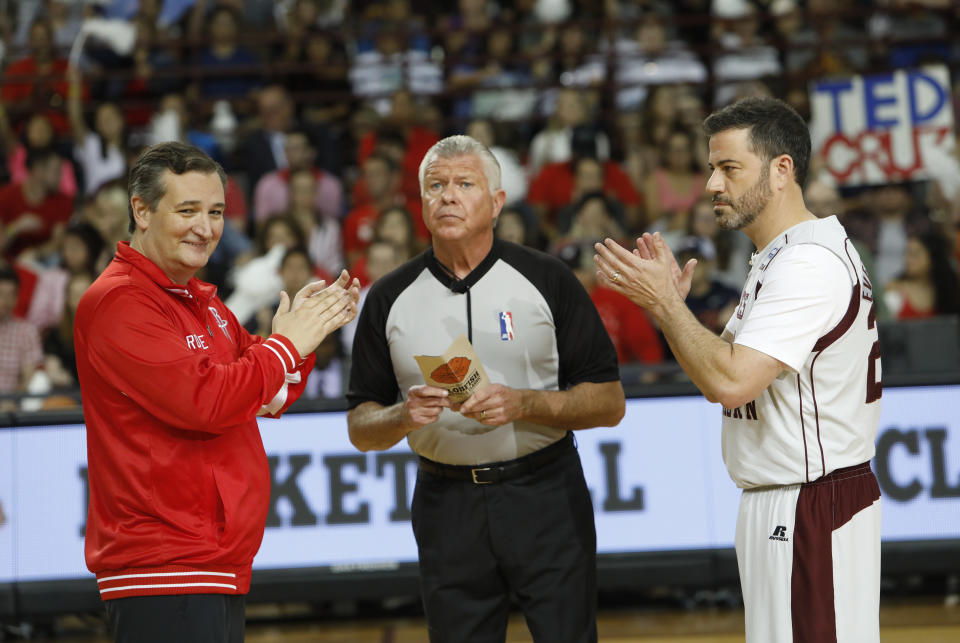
[874,385]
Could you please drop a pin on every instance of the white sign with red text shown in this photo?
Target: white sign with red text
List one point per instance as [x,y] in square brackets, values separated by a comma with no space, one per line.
[883,128]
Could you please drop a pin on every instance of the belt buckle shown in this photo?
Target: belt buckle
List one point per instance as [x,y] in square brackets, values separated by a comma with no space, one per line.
[473,474]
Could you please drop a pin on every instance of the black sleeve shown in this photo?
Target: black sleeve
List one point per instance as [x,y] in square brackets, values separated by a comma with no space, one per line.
[586,352]
[371,370]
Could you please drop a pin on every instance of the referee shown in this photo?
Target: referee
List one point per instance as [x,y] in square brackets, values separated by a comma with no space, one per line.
[500,508]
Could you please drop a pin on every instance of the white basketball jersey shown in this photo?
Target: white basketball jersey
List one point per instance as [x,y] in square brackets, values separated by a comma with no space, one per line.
[823,412]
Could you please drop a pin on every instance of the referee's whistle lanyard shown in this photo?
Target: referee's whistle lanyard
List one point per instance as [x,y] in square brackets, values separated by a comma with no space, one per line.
[458,286]
[469,318]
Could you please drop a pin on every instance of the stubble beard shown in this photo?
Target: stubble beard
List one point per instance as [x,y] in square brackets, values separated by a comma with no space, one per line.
[747,208]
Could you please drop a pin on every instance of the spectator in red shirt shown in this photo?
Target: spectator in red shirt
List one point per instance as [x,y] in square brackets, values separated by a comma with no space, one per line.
[382,179]
[556,185]
[633,335]
[394,226]
[402,119]
[37,83]
[34,212]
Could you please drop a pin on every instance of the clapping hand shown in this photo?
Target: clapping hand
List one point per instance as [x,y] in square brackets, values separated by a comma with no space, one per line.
[647,274]
[316,311]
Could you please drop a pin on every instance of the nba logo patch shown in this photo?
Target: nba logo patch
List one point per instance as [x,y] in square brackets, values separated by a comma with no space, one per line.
[506,325]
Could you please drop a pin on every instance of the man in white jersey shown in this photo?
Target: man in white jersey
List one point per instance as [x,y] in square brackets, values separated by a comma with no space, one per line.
[797,370]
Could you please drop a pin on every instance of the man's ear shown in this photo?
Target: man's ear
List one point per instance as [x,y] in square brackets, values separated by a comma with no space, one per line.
[783,165]
[499,199]
[141,212]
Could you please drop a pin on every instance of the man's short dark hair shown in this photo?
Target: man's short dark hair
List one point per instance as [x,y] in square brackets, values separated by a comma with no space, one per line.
[146,175]
[774,127]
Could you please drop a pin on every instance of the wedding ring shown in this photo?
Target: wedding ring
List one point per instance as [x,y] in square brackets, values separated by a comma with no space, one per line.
[616,276]
[483,414]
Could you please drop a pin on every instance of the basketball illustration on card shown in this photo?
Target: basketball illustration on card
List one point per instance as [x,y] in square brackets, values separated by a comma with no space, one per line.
[458,370]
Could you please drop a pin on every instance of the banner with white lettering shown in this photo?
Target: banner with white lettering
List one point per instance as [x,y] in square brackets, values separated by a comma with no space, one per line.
[657,482]
[7,477]
[884,128]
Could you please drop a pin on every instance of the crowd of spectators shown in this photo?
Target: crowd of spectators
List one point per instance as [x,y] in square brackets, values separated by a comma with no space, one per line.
[320,111]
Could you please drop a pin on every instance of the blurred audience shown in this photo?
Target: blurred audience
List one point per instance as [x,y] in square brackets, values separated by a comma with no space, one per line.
[21,353]
[34,212]
[594,217]
[230,69]
[321,70]
[593,111]
[380,258]
[710,300]
[80,253]
[262,148]
[676,183]
[882,218]
[36,83]
[320,229]
[273,190]
[37,134]
[381,177]
[652,57]
[391,65]
[497,84]
[394,226]
[59,354]
[747,53]
[558,185]
[632,332]
[100,154]
[403,137]
[928,285]
[256,280]
[554,143]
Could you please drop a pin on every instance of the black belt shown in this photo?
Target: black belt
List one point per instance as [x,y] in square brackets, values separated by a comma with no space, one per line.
[500,471]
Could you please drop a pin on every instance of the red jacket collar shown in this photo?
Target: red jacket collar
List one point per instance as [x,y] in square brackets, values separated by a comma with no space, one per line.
[199,290]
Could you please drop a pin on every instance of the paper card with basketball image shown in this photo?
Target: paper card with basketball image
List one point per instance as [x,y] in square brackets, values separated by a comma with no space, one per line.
[458,370]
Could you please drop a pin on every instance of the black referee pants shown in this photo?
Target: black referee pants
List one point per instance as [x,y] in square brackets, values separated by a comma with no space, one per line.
[184,618]
[532,538]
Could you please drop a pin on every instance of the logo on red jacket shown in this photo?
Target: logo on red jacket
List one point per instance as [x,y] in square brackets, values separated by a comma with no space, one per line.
[221,322]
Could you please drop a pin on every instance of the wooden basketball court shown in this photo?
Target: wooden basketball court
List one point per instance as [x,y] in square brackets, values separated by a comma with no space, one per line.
[931,620]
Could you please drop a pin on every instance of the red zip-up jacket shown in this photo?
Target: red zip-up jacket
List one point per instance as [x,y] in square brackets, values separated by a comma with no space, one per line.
[171,386]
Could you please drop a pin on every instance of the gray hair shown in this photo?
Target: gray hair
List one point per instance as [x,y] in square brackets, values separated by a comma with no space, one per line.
[462,145]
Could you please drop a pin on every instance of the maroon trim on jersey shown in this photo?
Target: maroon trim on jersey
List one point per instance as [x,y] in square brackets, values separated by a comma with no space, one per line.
[844,324]
[803,429]
[816,415]
[823,506]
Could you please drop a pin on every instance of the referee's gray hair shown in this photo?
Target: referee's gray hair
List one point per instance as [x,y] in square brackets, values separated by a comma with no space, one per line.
[462,145]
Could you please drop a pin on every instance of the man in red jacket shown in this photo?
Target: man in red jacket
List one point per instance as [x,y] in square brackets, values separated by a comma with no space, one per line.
[172,385]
